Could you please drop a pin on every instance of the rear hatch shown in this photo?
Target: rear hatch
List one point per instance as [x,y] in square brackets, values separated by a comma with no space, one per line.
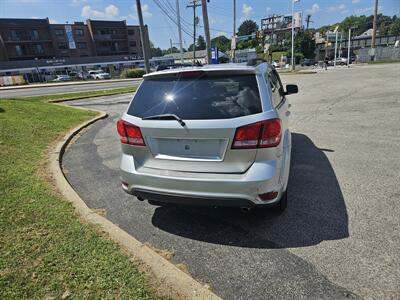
[188,121]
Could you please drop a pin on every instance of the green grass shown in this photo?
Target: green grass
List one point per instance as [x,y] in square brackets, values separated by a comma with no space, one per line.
[69,96]
[45,250]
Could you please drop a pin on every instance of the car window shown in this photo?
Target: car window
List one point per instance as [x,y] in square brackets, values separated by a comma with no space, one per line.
[276,87]
[209,97]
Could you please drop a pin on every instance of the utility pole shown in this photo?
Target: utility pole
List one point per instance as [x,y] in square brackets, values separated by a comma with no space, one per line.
[348,48]
[234,32]
[206,30]
[336,41]
[373,43]
[308,21]
[194,5]
[292,60]
[179,30]
[170,43]
[143,37]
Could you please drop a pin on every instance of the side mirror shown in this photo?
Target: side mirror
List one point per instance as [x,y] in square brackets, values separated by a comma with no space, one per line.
[291,89]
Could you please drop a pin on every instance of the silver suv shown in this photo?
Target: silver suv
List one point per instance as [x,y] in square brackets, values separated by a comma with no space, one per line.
[213,135]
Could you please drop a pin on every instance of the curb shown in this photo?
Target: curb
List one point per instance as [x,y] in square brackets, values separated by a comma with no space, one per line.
[183,285]
[27,86]
[55,101]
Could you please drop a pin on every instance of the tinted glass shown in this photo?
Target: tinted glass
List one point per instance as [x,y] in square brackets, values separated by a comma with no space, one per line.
[194,99]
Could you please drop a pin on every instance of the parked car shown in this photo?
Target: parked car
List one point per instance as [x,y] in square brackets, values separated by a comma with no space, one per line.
[212,135]
[308,62]
[62,78]
[99,74]
[341,61]
[276,64]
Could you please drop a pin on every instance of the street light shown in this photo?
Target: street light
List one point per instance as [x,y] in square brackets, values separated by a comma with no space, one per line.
[293,2]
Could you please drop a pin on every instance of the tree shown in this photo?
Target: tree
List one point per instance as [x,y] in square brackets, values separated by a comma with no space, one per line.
[201,43]
[247,27]
[222,43]
[155,51]
[170,50]
[304,44]
[395,26]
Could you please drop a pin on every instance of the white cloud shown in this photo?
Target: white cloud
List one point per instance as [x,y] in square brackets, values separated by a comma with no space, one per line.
[247,10]
[366,10]
[77,2]
[53,21]
[146,11]
[110,12]
[314,9]
[337,8]
[355,1]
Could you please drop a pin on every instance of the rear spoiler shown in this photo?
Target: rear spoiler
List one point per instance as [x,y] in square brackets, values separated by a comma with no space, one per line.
[197,72]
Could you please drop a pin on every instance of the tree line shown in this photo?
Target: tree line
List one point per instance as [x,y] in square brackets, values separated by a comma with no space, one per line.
[304,43]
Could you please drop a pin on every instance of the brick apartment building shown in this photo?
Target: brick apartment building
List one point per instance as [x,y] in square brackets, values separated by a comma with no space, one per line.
[35,39]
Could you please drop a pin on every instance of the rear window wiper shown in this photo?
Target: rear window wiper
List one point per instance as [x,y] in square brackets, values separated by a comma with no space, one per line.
[165,117]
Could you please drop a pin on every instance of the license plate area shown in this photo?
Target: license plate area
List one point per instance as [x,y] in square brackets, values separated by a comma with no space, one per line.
[188,149]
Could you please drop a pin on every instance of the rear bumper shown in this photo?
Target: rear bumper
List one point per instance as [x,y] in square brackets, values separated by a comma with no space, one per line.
[203,188]
[192,200]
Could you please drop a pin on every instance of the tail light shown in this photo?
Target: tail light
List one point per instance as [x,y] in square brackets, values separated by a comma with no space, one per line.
[129,133]
[264,134]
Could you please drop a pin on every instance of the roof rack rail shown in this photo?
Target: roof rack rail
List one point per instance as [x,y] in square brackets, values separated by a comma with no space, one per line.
[255,61]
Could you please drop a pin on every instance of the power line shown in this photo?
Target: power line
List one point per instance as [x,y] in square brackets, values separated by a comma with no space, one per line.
[167,13]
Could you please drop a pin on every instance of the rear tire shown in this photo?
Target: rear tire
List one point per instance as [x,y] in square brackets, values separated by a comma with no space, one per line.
[281,206]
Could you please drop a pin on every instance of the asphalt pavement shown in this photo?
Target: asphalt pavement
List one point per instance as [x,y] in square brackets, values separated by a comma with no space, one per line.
[339,237]
[48,90]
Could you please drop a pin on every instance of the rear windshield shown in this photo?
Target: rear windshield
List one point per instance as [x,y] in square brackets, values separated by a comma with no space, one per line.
[221,97]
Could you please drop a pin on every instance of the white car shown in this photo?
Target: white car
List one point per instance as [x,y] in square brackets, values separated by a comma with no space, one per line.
[213,136]
[62,78]
[99,74]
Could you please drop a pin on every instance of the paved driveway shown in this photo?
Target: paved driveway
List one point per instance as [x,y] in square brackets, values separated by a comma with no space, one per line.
[339,237]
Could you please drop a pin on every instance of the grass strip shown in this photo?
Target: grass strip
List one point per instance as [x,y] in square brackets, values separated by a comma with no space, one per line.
[46,252]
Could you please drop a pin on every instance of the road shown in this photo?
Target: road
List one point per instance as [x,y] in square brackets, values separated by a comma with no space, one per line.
[35,91]
[339,237]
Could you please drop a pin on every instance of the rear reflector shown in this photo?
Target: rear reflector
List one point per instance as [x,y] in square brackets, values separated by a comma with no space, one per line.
[268,196]
[262,134]
[129,133]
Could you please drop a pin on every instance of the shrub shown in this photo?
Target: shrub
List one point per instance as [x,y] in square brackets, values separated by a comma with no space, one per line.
[132,73]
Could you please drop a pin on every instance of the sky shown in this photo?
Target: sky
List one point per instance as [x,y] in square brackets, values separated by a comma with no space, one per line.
[162,29]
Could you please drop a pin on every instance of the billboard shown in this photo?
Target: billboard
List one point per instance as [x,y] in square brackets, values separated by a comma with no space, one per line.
[70,37]
[281,23]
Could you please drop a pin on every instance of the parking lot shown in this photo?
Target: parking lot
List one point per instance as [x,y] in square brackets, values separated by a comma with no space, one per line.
[339,237]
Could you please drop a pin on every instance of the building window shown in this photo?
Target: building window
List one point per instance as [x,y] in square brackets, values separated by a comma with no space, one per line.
[79,32]
[62,46]
[20,49]
[39,49]
[132,44]
[34,35]
[59,32]
[82,45]
[14,36]
[131,32]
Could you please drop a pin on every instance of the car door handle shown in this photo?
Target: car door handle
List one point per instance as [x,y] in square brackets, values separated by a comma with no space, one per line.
[288,113]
